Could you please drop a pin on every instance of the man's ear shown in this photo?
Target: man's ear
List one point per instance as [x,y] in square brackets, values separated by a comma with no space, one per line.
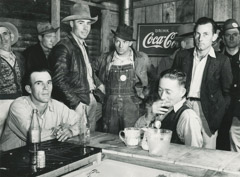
[71,24]
[130,43]
[183,92]
[40,38]
[12,37]
[28,89]
[215,36]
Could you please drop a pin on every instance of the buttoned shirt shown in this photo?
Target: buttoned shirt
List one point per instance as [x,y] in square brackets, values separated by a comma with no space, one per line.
[20,116]
[81,43]
[197,73]
[188,126]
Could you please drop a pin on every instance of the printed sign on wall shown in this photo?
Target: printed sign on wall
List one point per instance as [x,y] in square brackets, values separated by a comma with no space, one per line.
[157,39]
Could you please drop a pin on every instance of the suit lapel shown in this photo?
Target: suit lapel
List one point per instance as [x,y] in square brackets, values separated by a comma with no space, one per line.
[209,68]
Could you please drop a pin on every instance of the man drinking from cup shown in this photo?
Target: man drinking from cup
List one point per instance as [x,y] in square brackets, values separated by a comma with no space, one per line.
[173,112]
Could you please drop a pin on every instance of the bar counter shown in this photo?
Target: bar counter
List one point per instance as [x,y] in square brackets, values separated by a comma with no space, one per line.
[63,158]
[197,162]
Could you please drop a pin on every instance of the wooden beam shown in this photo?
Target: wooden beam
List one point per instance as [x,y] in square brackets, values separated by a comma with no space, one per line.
[55,17]
[144,3]
[104,5]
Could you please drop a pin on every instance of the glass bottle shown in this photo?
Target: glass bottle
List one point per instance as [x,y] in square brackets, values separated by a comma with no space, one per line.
[34,136]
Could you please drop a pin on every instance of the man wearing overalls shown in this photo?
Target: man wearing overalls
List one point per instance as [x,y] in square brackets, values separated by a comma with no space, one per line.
[124,73]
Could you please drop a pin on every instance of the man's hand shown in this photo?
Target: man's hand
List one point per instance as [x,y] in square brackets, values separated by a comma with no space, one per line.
[158,108]
[62,132]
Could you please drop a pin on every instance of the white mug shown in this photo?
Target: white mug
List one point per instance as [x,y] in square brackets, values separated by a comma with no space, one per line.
[131,136]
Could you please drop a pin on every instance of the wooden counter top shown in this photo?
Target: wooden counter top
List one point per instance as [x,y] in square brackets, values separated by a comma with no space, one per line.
[180,158]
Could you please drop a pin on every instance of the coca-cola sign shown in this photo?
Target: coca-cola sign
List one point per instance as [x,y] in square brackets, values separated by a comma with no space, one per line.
[157,39]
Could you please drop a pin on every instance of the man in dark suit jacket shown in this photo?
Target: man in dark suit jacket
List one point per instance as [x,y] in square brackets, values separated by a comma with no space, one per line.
[209,78]
[36,56]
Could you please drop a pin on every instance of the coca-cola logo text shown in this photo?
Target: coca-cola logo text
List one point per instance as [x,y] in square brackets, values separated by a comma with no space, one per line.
[151,40]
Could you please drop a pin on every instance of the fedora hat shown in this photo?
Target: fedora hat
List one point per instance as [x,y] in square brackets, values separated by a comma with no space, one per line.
[230,24]
[185,30]
[80,11]
[12,28]
[45,28]
[124,32]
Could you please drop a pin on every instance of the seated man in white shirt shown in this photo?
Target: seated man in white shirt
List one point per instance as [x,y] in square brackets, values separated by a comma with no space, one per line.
[173,112]
[56,120]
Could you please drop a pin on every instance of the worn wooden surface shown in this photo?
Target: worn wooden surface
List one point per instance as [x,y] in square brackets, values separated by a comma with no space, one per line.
[169,12]
[189,160]
[185,11]
[236,10]
[222,10]
[154,14]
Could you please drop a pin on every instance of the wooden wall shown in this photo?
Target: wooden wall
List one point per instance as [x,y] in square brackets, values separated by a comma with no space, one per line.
[25,14]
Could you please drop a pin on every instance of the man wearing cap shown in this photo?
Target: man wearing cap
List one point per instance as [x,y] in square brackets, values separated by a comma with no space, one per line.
[124,73]
[231,38]
[185,35]
[73,78]
[11,70]
[36,56]
[209,78]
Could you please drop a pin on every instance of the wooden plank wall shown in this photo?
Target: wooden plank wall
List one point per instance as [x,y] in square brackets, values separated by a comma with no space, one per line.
[25,14]
[181,11]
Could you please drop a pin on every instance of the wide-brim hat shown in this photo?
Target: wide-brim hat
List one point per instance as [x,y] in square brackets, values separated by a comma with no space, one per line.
[80,11]
[12,28]
[124,32]
[45,28]
[185,30]
[230,24]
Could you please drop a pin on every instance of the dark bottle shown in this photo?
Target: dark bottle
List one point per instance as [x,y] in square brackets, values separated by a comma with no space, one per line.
[34,136]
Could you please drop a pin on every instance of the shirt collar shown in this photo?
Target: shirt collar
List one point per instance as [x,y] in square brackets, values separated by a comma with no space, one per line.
[5,54]
[211,52]
[117,57]
[178,105]
[81,41]
[49,106]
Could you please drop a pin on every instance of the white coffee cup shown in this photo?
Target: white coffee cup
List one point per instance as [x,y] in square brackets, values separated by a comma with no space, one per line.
[131,136]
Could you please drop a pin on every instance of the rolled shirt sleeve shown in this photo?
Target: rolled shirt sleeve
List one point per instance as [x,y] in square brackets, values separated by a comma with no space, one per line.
[189,128]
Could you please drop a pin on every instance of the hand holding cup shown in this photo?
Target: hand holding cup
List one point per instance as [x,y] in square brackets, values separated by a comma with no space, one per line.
[159,107]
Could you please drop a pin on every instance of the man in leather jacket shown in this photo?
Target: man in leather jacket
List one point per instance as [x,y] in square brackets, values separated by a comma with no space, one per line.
[73,77]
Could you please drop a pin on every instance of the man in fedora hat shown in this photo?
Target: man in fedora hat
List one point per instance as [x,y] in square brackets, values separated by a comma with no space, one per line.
[185,35]
[209,78]
[231,38]
[36,56]
[11,70]
[184,39]
[73,78]
[124,74]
